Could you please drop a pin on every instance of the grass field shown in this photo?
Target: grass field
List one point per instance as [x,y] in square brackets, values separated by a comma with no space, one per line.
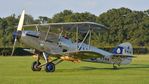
[17,70]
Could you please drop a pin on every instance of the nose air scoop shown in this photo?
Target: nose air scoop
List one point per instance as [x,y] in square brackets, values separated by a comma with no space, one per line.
[17,34]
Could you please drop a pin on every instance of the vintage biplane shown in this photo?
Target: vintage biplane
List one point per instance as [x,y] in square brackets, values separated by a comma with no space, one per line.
[56,44]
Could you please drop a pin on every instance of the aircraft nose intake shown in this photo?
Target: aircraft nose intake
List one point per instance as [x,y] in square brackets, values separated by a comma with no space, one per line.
[17,34]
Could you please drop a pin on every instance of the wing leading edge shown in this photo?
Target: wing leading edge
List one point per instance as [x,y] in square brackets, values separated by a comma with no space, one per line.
[82,26]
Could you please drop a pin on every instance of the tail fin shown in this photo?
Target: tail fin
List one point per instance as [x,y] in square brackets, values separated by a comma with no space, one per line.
[124,49]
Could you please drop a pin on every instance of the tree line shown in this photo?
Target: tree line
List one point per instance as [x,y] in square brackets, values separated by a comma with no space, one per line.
[124,25]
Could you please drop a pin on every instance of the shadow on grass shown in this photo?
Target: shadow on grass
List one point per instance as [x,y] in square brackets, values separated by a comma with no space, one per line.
[95,68]
[132,66]
[135,66]
[87,68]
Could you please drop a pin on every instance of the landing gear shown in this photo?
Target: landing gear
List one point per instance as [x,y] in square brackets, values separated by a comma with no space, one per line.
[49,64]
[35,66]
[116,62]
[114,66]
[50,67]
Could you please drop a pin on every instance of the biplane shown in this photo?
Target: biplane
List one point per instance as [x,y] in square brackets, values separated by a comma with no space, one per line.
[56,44]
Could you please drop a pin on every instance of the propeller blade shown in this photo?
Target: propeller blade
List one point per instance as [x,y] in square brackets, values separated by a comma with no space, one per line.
[21,21]
[19,28]
[14,44]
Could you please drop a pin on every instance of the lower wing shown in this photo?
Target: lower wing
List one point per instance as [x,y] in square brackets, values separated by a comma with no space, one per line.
[89,54]
[80,54]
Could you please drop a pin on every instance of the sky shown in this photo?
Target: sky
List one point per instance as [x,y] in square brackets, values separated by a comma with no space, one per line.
[50,7]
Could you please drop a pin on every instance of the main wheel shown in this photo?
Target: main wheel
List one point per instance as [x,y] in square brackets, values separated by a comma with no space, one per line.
[35,66]
[50,67]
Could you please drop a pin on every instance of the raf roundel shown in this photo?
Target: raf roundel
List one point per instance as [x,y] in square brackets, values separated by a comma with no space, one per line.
[118,50]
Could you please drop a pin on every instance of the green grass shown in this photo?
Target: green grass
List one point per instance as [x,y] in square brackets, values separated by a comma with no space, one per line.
[17,70]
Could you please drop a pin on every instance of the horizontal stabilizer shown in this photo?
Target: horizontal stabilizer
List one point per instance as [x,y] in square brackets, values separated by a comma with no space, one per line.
[120,55]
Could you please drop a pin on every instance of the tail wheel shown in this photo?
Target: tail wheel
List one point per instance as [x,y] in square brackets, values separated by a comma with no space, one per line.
[114,66]
[50,67]
[35,66]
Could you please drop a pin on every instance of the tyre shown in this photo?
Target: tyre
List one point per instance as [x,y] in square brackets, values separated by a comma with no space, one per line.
[50,67]
[35,66]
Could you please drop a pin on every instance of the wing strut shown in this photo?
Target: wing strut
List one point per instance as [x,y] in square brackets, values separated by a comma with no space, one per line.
[89,42]
[84,38]
[37,29]
[77,32]
[47,33]
[60,34]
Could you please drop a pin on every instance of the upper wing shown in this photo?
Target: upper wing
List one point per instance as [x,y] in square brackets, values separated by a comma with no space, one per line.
[82,26]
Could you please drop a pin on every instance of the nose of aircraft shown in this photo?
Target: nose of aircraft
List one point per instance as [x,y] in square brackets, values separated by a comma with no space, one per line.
[17,34]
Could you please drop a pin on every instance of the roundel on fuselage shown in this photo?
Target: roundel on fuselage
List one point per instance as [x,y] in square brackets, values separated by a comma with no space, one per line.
[118,50]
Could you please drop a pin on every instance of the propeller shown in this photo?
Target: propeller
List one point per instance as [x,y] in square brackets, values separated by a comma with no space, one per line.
[19,29]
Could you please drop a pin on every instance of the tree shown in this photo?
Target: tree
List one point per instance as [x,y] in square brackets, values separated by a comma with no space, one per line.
[43,19]
[125,25]
[62,16]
